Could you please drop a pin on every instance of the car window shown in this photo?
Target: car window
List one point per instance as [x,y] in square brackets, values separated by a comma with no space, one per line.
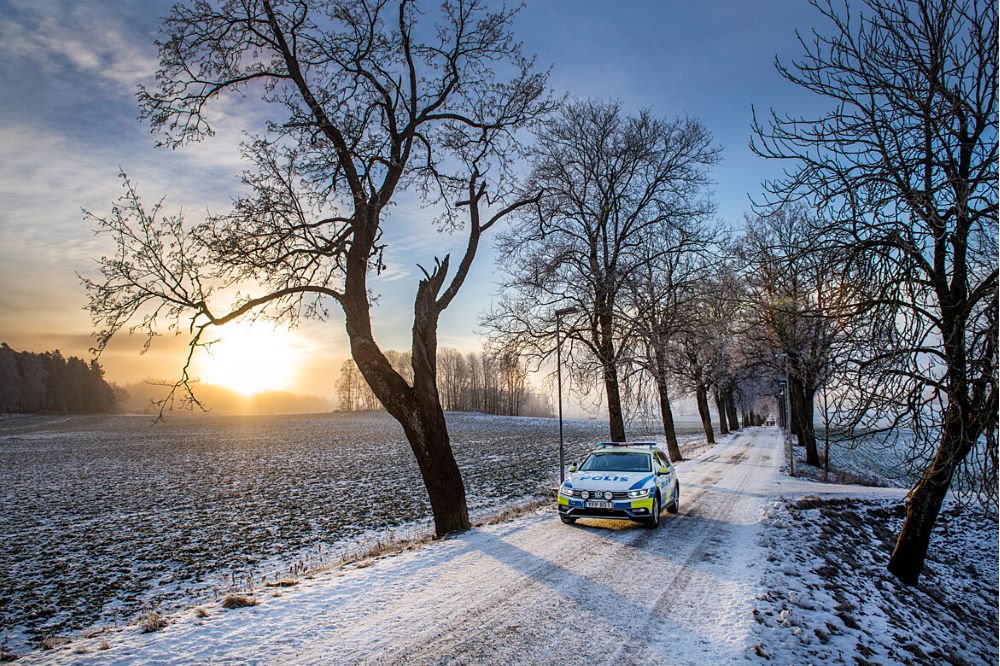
[662,460]
[616,462]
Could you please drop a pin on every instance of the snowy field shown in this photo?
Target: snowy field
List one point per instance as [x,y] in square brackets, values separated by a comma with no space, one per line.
[829,598]
[103,516]
[757,567]
[876,461]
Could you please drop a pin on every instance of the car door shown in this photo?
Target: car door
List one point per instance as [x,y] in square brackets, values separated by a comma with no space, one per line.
[664,481]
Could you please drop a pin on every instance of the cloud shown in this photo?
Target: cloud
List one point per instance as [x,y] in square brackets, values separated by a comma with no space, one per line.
[89,39]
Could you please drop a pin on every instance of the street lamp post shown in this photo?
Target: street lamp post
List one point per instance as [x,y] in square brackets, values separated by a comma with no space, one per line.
[781,408]
[562,455]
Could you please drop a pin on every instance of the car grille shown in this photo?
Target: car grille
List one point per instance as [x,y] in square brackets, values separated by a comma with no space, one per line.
[599,494]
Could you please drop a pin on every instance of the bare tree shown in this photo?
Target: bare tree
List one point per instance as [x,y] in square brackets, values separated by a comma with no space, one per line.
[905,168]
[793,308]
[365,103]
[611,183]
[353,391]
[694,357]
[661,296]
[722,301]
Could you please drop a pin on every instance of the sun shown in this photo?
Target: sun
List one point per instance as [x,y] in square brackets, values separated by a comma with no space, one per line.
[251,358]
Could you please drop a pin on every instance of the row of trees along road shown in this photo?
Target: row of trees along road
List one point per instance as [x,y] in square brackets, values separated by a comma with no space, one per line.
[624,233]
[881,286]
[869,270]
[473,382]
[902,171]
[50,382]
[624,195]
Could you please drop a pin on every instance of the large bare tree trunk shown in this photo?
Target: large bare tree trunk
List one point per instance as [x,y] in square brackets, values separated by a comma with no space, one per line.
[720,407]
[793,417]
[701,397]
[924,502]
[734,421]
[417,408]
[669,432]
[802,418]
[616,418]
[964,421]
[427,434]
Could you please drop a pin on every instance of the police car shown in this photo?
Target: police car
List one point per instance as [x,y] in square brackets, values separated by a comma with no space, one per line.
[620,480]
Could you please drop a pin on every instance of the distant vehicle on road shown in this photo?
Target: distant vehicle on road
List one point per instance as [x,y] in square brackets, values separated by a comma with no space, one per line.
[769,421]
[621,480]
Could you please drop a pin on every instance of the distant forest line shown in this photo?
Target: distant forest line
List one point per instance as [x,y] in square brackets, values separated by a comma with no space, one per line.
[50,382]
[492,383]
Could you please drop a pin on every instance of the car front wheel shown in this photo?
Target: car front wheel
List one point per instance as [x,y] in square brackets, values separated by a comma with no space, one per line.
[654,521]
[567,520]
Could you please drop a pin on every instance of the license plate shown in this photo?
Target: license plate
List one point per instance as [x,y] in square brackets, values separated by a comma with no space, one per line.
[598,505]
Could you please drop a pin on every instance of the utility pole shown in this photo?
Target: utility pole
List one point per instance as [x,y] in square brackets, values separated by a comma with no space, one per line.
[562,455]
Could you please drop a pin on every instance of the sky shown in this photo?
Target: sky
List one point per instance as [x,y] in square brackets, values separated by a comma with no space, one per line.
[69,123]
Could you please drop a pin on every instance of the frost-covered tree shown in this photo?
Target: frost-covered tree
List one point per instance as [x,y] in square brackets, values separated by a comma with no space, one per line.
[661,294]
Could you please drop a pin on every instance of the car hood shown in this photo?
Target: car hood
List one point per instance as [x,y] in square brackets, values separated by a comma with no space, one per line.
[610,480]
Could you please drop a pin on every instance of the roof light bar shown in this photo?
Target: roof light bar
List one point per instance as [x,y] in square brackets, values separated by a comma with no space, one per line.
[601,444]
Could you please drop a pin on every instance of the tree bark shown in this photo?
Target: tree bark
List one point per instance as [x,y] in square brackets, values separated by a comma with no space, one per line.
[794,416]
[429,441]
[616,419]
[417,408]
[669,432]
[924,501]
[734,421]
[802,414]
[720,407]
[701,396]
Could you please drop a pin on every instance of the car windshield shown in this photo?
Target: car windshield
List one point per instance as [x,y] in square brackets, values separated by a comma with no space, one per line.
[616,462]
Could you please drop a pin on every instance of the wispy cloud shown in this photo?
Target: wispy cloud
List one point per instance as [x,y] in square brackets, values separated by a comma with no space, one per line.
[88,38]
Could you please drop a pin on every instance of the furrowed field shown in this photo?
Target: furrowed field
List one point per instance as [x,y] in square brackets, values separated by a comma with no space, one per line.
[101,516]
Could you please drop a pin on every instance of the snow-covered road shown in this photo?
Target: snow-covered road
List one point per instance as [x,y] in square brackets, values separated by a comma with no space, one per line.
[531,590]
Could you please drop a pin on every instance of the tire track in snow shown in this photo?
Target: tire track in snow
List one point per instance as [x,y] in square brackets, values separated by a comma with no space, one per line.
[584,577]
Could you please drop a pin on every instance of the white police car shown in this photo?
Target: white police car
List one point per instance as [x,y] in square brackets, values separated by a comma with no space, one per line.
[620,480]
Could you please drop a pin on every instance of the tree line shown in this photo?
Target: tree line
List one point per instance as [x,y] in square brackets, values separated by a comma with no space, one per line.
[49,382]
[626,236]
[473,382]
[868,271]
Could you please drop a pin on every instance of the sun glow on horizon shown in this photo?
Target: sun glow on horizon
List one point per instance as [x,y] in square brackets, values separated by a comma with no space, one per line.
[251,358]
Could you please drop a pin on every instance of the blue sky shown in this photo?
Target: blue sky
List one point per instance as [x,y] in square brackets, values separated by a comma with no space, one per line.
[68,121]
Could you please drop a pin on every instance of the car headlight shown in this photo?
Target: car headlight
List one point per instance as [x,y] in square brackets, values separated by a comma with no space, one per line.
[566,490]
[643,492]
[584,494]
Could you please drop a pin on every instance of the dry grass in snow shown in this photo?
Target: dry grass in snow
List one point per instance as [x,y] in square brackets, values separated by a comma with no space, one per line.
[830,599]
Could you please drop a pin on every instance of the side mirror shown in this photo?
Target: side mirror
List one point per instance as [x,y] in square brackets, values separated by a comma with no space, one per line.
[572,468]
[662,471]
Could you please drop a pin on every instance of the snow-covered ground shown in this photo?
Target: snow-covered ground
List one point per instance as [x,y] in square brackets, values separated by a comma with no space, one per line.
[103,515]
[827,597]
[712,585]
